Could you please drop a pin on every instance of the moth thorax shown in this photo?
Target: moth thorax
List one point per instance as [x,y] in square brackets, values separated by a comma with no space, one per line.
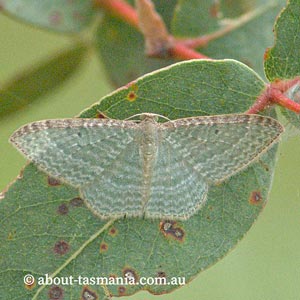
[149,139]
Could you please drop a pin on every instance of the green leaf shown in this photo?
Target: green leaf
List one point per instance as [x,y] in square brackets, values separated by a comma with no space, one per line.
[36,82]
[42,225]
[251,31]
[45,231]
[122,49]
[185,89]
[195,17]
[282,61]
[58,15]
[234,8]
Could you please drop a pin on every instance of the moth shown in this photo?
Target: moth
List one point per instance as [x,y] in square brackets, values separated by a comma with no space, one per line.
[145,167]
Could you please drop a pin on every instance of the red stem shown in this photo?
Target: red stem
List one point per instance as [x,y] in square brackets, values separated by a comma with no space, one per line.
[127,13]
[180,51]
[274,93]
[278,97]
[260,104]
[284,85]
[120,9]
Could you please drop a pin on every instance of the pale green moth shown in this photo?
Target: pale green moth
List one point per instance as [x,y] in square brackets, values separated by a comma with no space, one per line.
[146,168]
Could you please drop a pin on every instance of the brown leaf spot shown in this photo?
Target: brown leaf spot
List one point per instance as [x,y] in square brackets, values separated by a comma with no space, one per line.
[161,274]
[63,209]
[88,294]
[61,247]
[179,233]
[130,273]
[131,96]
[55,18]
[113,231]
[121,290]
[255,198]
[11,235]
[172,229]
[267,54]
[76,202]
[56,293]
[167,226]
[53,182]
[100,115]
[103,247]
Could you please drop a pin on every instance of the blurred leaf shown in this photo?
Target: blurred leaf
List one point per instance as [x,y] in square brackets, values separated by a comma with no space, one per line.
[195,17]
[198,17]
[36,82]
[58,15]
[122,48]
[45,223]
[235,8]
[122,51]
[246,43]
[282,61]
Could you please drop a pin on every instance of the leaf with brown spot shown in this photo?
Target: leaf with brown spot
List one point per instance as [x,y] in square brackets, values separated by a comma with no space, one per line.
[103,247]
[113,231]
[53,182]
[88,294]
[255,198]
[66,245]
[56,293]
[76,202]
[61,247]
[63,209]
[131,96]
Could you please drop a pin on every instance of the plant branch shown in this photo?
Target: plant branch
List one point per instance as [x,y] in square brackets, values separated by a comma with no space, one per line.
[180,51]
[276,93]
[128,14]
[160,43]
[120,9]
[278,97]
[260,104]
